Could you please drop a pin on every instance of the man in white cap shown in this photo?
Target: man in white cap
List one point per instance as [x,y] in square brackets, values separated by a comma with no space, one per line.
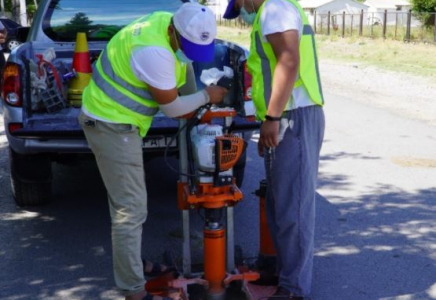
[140,72]
[287,93]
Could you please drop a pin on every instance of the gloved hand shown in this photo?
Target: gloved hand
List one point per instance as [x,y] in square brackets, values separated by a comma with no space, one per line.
[216,93]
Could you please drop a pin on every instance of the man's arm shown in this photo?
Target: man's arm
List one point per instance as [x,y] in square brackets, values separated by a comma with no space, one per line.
[173,105]
[286,49]
[156,67]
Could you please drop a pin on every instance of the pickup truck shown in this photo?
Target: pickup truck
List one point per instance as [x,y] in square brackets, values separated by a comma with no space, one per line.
[41,132]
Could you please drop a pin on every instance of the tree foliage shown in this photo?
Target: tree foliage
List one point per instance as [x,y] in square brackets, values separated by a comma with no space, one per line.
[425,11]
[79,23]
[424,6]
[9,4]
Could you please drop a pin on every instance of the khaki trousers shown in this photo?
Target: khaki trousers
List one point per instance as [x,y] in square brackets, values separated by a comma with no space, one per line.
[118,151]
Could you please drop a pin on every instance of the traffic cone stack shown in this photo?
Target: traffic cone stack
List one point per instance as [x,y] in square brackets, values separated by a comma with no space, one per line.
[82,67]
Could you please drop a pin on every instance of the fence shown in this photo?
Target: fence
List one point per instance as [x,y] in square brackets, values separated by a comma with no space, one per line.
[405,26]
[231,23]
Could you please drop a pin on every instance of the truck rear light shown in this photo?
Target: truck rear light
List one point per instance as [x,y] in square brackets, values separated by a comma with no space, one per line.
[14,127]
[11,88]
[250,119]
[247,83]
[250,110]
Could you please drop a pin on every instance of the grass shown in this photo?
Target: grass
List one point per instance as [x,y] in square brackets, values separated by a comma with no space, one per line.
[417,59]
[237,35]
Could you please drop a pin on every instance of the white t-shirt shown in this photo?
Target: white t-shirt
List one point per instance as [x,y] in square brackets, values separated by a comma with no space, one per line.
[281,16]
[154,65]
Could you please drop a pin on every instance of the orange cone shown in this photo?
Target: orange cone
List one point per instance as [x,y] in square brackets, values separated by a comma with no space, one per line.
[82,66]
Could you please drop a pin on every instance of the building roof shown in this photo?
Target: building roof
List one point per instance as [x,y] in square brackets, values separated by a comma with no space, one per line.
[387,3]
[306,4]
[313,3]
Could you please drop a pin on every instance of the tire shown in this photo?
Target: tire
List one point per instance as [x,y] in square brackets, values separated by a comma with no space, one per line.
[30,178]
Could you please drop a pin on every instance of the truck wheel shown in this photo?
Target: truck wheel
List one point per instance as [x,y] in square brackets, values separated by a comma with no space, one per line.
[30,178]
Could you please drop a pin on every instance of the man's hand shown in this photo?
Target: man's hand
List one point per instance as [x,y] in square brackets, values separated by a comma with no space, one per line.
[269,135]
[216,93]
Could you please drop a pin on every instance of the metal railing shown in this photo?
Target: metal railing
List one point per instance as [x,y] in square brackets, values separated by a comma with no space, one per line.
[404,26]
[237,23]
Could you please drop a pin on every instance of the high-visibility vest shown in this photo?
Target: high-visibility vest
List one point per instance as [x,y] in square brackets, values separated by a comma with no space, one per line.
[115,93]
[262,63]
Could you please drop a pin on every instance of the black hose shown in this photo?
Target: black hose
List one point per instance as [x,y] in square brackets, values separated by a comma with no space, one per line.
[190,125]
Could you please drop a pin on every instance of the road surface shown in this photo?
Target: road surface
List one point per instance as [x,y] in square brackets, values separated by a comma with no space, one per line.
[375,231]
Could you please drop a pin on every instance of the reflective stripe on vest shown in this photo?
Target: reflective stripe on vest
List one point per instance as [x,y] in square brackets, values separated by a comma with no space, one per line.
[109,71]
[266,71]
[266,68]
[116,95]
[307,30]
[122,99]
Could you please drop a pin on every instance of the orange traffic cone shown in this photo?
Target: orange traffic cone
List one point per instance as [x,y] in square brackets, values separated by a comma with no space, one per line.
[82,66]
[267,258]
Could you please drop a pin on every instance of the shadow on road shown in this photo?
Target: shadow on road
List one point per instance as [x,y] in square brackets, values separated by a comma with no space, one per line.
[376,246]
[373,247]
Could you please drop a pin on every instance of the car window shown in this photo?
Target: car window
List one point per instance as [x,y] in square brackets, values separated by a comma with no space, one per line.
[100,20]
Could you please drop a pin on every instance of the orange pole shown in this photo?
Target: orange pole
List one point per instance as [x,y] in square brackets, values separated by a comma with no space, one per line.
[214,259]
[266,243]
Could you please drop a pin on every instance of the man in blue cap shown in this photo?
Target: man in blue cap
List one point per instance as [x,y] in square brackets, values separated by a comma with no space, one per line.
[142,70]
[287,94]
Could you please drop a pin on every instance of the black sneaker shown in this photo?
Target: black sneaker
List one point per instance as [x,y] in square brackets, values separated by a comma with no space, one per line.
[267,278]
[284,294]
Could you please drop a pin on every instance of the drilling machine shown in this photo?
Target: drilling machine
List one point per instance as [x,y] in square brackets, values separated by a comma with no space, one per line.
[207,153]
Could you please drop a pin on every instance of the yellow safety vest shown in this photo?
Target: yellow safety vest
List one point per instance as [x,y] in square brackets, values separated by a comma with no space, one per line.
[115,93]
[262,63]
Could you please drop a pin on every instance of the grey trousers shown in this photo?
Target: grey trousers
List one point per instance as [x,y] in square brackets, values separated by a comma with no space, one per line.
[118,151]
[291,171]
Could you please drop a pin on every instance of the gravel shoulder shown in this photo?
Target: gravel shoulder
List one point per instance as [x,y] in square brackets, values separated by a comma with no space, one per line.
[408,95]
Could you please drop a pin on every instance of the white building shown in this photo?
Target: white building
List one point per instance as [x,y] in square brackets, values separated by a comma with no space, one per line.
[396,11]
[217,6]
[336,8]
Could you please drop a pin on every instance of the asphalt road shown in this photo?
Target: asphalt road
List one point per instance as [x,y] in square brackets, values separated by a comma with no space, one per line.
[376,224]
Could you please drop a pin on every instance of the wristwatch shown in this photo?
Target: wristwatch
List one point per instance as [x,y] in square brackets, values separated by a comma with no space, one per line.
[269,118]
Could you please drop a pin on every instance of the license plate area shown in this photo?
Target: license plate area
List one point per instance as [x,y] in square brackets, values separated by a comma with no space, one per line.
[158,142]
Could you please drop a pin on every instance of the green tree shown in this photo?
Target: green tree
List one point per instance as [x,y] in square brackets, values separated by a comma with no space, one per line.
[79,23]
[13,7]
[425,11]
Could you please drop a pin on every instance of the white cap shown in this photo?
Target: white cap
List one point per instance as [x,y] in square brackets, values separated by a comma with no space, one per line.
[197,26]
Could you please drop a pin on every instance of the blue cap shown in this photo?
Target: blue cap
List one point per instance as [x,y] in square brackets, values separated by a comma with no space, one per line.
[231,12]
[196,52]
